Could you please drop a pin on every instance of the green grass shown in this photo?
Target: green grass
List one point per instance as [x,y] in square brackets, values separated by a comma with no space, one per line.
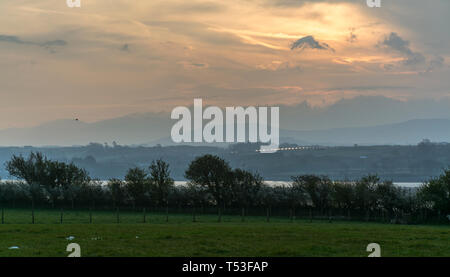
[207,237]
[53,216]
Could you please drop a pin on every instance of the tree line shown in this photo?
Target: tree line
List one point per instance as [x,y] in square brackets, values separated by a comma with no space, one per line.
[213,184]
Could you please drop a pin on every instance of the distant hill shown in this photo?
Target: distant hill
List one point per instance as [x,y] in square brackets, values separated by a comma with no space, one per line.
[360,120]
[146,130]
[362,111]
[132,129]
[405,133]
[410,132]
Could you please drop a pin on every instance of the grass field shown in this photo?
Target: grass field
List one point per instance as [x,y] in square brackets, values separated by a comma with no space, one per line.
[230,238]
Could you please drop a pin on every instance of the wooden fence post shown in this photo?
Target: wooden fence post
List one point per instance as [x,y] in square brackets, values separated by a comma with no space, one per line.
[167,211]
[32,212]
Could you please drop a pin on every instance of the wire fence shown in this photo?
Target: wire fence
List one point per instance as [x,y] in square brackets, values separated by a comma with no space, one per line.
[128,215]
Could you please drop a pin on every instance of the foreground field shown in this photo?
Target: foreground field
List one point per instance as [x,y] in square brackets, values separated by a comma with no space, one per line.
[254,237]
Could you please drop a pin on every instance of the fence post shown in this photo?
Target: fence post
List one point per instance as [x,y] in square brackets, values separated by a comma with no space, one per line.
[167,211]
[90,215]
[61,217]
[32,212]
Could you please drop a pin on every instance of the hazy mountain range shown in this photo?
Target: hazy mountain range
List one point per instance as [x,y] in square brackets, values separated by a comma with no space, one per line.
[361,120]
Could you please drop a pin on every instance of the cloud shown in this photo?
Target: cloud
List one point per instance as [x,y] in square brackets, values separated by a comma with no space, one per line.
[368,88]
[171,44]
[48,45]
[298,3]
[193,65]
[12,39]
[436,63]
[51,43]
[395,42]
[195,8]
[199,64]
[352,36]
[125,48]
[310,42]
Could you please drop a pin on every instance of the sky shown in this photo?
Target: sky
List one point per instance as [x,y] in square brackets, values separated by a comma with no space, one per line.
[112,58]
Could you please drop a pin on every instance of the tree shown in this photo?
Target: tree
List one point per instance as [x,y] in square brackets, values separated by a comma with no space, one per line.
[196,194]
[12,192]
[32,169]
[319,189]
[212,173]
[39,173]
[267,196]
[297,195]
[117,191]
[245,187]
[387,196]
[160,181]
[136,185]
[436,193]
[63,180]
[70,193]
[365,197]
[343,195]
[33,192]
